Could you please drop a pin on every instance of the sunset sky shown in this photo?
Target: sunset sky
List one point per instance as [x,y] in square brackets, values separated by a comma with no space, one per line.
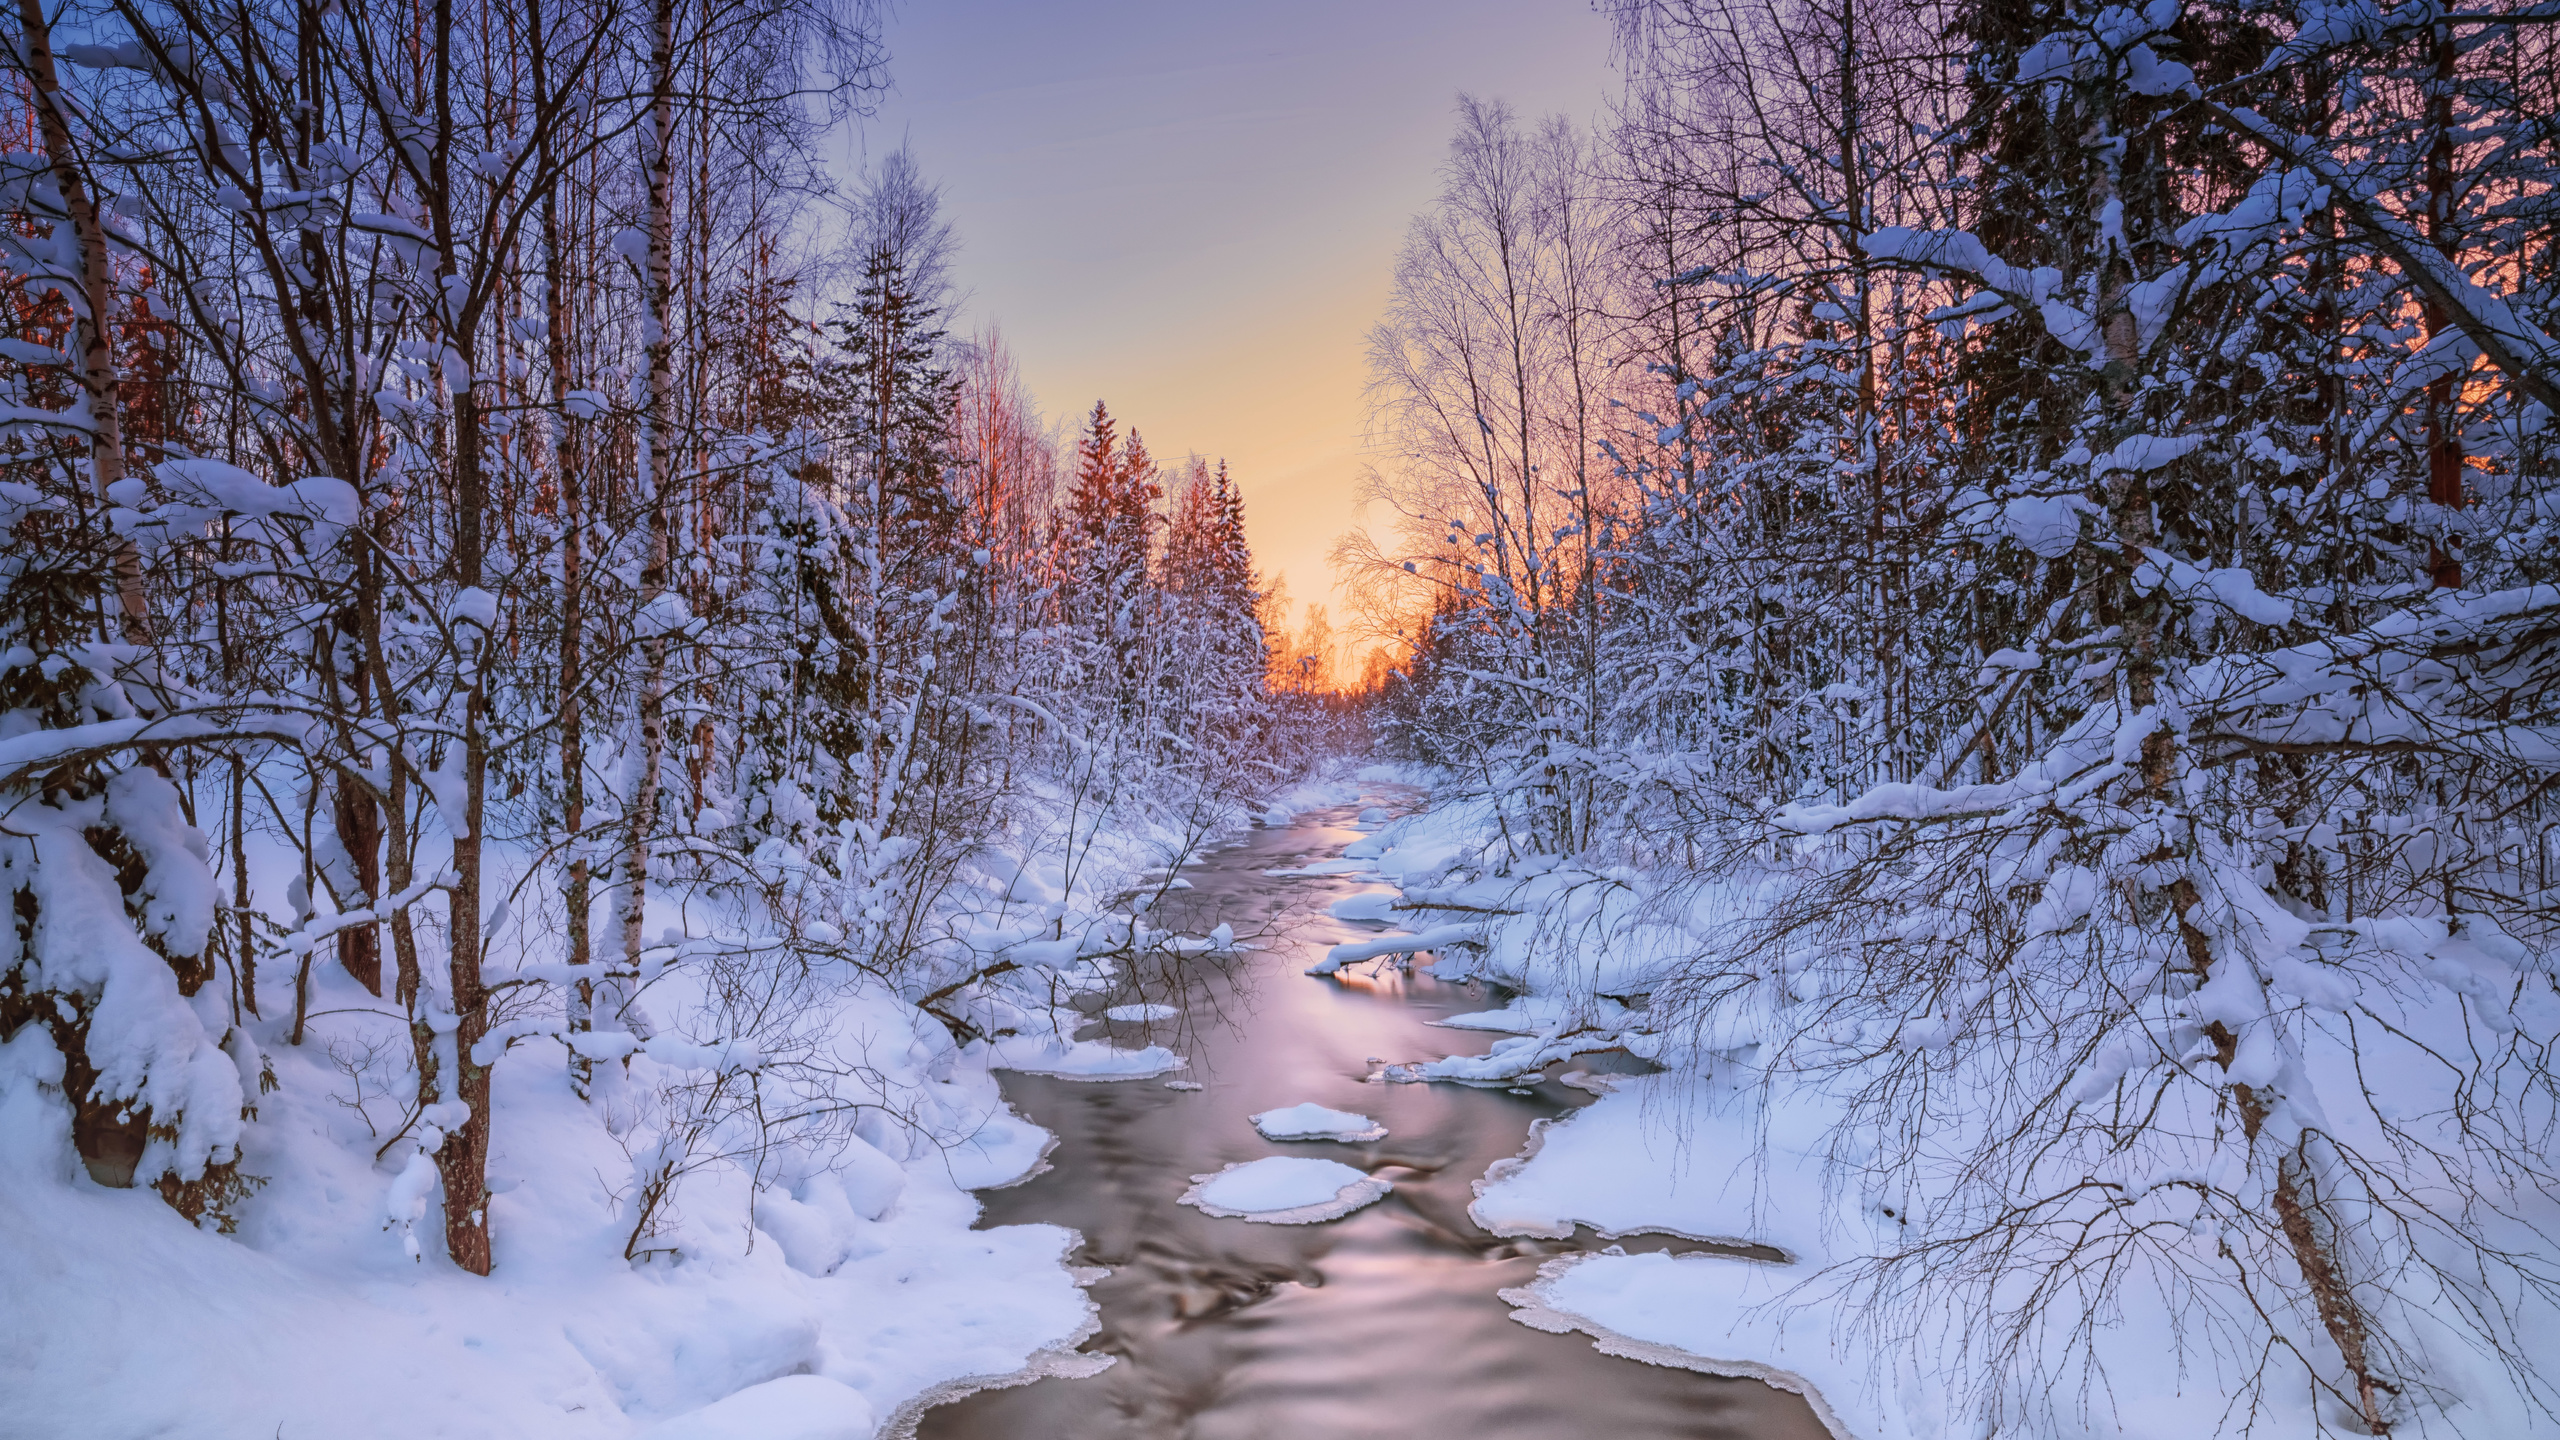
[1190,208]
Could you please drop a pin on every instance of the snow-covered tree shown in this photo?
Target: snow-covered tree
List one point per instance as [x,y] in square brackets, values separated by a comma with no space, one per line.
[2076,563]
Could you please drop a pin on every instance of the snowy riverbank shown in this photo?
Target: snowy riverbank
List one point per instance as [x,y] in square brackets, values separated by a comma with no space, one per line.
[1741,1141]
[783,1292]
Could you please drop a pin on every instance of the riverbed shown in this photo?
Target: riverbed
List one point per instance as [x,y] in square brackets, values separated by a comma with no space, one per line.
[1385,1323]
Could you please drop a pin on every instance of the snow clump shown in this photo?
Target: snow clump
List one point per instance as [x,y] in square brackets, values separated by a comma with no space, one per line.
[1314,1122]
[1284,1190]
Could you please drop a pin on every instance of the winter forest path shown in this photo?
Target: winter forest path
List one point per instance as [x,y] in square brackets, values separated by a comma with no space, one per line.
[1382,1324]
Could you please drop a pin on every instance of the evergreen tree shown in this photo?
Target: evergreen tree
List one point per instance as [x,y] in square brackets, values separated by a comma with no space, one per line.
[1207,575]
[1108,528]
[893,391]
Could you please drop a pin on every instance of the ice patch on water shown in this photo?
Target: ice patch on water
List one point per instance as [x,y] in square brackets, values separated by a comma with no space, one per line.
[1080,1059]
[1284,1190]
[1323,867]
[1314,1122]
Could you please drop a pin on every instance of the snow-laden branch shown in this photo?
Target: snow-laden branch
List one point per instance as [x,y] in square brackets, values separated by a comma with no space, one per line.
[321,927]
[2514,344]
[1959,254]
[1436,938]
[22,756]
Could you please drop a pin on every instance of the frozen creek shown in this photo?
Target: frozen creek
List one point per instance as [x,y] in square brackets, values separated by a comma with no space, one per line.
[1383,1324]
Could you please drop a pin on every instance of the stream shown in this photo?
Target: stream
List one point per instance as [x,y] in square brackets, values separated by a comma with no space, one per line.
[1382,1324]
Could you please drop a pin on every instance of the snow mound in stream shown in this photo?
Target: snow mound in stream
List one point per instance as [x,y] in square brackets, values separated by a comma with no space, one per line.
[1314,1122]
[1140,1014]
[1080,1059]
[1284,1190]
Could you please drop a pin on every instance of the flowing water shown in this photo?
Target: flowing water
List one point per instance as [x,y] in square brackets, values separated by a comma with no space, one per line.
[1381,1324]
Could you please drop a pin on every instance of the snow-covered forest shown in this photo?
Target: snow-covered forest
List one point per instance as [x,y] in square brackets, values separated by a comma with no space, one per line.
[546,689]
[1959,622]
[1996,562]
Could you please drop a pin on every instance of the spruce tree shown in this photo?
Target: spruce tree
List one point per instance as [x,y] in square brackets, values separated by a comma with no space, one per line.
[893,393]
[1109,525]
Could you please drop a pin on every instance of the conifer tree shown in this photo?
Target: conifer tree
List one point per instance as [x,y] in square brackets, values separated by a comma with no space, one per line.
[1207,574]
[1108,527]
[893,390]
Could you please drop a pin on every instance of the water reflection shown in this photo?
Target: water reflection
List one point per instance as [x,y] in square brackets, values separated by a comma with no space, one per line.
[1382,1324]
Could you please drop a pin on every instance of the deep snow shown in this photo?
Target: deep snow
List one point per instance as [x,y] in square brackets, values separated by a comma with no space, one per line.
[820,1300]
[1717,1148]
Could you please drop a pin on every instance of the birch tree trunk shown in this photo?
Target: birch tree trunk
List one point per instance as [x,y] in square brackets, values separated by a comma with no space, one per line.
[657,288]
[95,346]
[576,886]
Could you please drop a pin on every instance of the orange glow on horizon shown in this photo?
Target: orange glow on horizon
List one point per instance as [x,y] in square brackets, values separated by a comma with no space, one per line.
[1193,212]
